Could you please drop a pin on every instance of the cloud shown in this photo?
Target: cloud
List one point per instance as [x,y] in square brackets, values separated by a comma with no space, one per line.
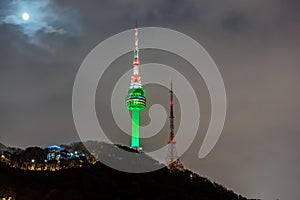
[51,29]
[43,17]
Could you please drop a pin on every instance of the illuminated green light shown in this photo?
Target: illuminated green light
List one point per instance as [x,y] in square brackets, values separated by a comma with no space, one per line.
[135,141]
[135,101]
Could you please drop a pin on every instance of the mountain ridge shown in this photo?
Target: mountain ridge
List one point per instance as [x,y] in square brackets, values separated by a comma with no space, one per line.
[98,181]
[2,146]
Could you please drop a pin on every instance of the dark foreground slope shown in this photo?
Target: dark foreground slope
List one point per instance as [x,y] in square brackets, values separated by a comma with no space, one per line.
[97,181]
[100,182]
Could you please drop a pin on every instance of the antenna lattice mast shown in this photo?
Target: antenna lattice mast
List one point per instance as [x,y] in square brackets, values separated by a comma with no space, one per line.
[172,159]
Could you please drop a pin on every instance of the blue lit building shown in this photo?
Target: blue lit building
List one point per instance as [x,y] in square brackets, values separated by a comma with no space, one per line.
[54,153]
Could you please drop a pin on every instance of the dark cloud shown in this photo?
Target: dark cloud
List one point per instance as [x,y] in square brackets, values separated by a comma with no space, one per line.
[235,22]
[43,16]
[254,43]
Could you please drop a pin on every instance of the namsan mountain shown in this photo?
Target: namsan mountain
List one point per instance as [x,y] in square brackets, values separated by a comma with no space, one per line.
[98,181]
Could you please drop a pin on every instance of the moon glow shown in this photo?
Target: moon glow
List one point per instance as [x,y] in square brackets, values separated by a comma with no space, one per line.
[25,16]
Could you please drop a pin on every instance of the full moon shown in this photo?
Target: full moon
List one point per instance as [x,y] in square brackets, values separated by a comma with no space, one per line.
[25,16]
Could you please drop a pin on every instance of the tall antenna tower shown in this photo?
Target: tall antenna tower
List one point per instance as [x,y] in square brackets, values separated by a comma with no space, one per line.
[135,100]
[172,159]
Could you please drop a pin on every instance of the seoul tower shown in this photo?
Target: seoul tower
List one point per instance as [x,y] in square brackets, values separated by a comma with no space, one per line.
[135,100]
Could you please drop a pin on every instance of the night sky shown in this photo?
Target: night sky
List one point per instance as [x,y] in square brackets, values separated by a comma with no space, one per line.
[254,43]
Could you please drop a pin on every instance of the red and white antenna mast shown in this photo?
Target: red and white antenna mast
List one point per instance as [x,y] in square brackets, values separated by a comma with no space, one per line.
[172,159]
[135,78]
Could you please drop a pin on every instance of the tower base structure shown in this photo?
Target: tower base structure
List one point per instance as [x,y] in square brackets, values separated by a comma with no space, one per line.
[172,160]
[176,165]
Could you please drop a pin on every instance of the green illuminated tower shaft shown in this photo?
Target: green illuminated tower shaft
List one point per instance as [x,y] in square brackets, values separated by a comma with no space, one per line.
[135,139]
[135,100]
